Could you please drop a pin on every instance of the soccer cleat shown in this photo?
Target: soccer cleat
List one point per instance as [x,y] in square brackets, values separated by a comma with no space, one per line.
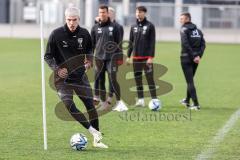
[140,103]
[185,103]
[97,136]
[194,107]
[96,100]
[99,144]
[120,106]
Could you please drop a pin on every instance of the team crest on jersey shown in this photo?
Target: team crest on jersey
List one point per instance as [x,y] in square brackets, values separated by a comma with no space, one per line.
[99,30]
[65,44]
[110,30]
[144,29]
[135,29]
[80,41]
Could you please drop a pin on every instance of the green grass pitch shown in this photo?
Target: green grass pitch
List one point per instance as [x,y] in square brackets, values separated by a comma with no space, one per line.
[218,86]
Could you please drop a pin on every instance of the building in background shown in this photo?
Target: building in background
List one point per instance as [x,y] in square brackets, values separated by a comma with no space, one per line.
[4,11]
[223,14]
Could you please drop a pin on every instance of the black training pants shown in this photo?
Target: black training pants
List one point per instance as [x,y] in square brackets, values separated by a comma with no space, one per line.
[138,67]
[84,91]
[189,69]
[111,67]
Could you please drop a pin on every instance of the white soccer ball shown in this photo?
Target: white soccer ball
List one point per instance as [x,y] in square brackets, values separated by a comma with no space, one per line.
[155,105]
[78,141]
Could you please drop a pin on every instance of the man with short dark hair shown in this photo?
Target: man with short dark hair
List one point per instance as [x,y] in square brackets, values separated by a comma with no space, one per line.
[193,46]
[142,39]
[112,15]
[106,38]
[69,54]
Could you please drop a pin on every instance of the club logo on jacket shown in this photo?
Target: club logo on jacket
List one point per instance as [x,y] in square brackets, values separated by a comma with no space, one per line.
[144,29]
[99,30]
[195,34]
[80,40]
[135,29]
[110,31]
[65,44]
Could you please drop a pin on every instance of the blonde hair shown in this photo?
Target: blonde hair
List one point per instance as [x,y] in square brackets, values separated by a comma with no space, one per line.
[111,9]
[72,11]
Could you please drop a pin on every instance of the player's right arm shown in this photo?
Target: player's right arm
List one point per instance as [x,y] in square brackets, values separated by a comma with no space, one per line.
[49,57]
[50,53]
[93,37]
[130,46]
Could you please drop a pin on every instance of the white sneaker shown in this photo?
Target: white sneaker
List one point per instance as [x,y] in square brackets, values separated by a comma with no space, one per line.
[120,106]
[140,102]
[99,144]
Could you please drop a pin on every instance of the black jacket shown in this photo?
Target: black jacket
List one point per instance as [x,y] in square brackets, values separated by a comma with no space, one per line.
[68,49]
[142,40]
[192,41]
[121,33]
[106,38]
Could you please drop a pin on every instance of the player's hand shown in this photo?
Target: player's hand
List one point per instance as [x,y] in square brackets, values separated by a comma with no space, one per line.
[87,64]
[119,62]
[62,72]
[197,59]
[97,19]
[149,61]
[128,61]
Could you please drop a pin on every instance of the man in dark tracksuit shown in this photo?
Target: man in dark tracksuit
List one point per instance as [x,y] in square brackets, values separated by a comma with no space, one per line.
[142,39]
[69,54]
[111,14]
[193,46]
[106,37]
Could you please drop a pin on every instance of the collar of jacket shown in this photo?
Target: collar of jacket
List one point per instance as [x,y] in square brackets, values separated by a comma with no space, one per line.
[187,23]
[141,23]
[102,24]
[66,29]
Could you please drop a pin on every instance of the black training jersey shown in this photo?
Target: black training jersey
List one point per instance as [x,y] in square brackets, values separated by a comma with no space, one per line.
[142,40]
[68,49]
[106,38]
[192,41]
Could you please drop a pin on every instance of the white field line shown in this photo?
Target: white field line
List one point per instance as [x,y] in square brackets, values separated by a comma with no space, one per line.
[212,145]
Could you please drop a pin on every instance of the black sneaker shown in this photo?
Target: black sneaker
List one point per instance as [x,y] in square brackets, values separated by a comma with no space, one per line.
[185,103]
[194,107]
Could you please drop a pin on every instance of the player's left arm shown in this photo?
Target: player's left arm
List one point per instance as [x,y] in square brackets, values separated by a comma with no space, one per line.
[50,53]
[89,51]
[152,41]
[203,45]
[118,39]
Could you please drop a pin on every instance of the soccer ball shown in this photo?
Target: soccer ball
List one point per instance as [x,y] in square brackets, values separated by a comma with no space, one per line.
[155,105]
[78,141]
